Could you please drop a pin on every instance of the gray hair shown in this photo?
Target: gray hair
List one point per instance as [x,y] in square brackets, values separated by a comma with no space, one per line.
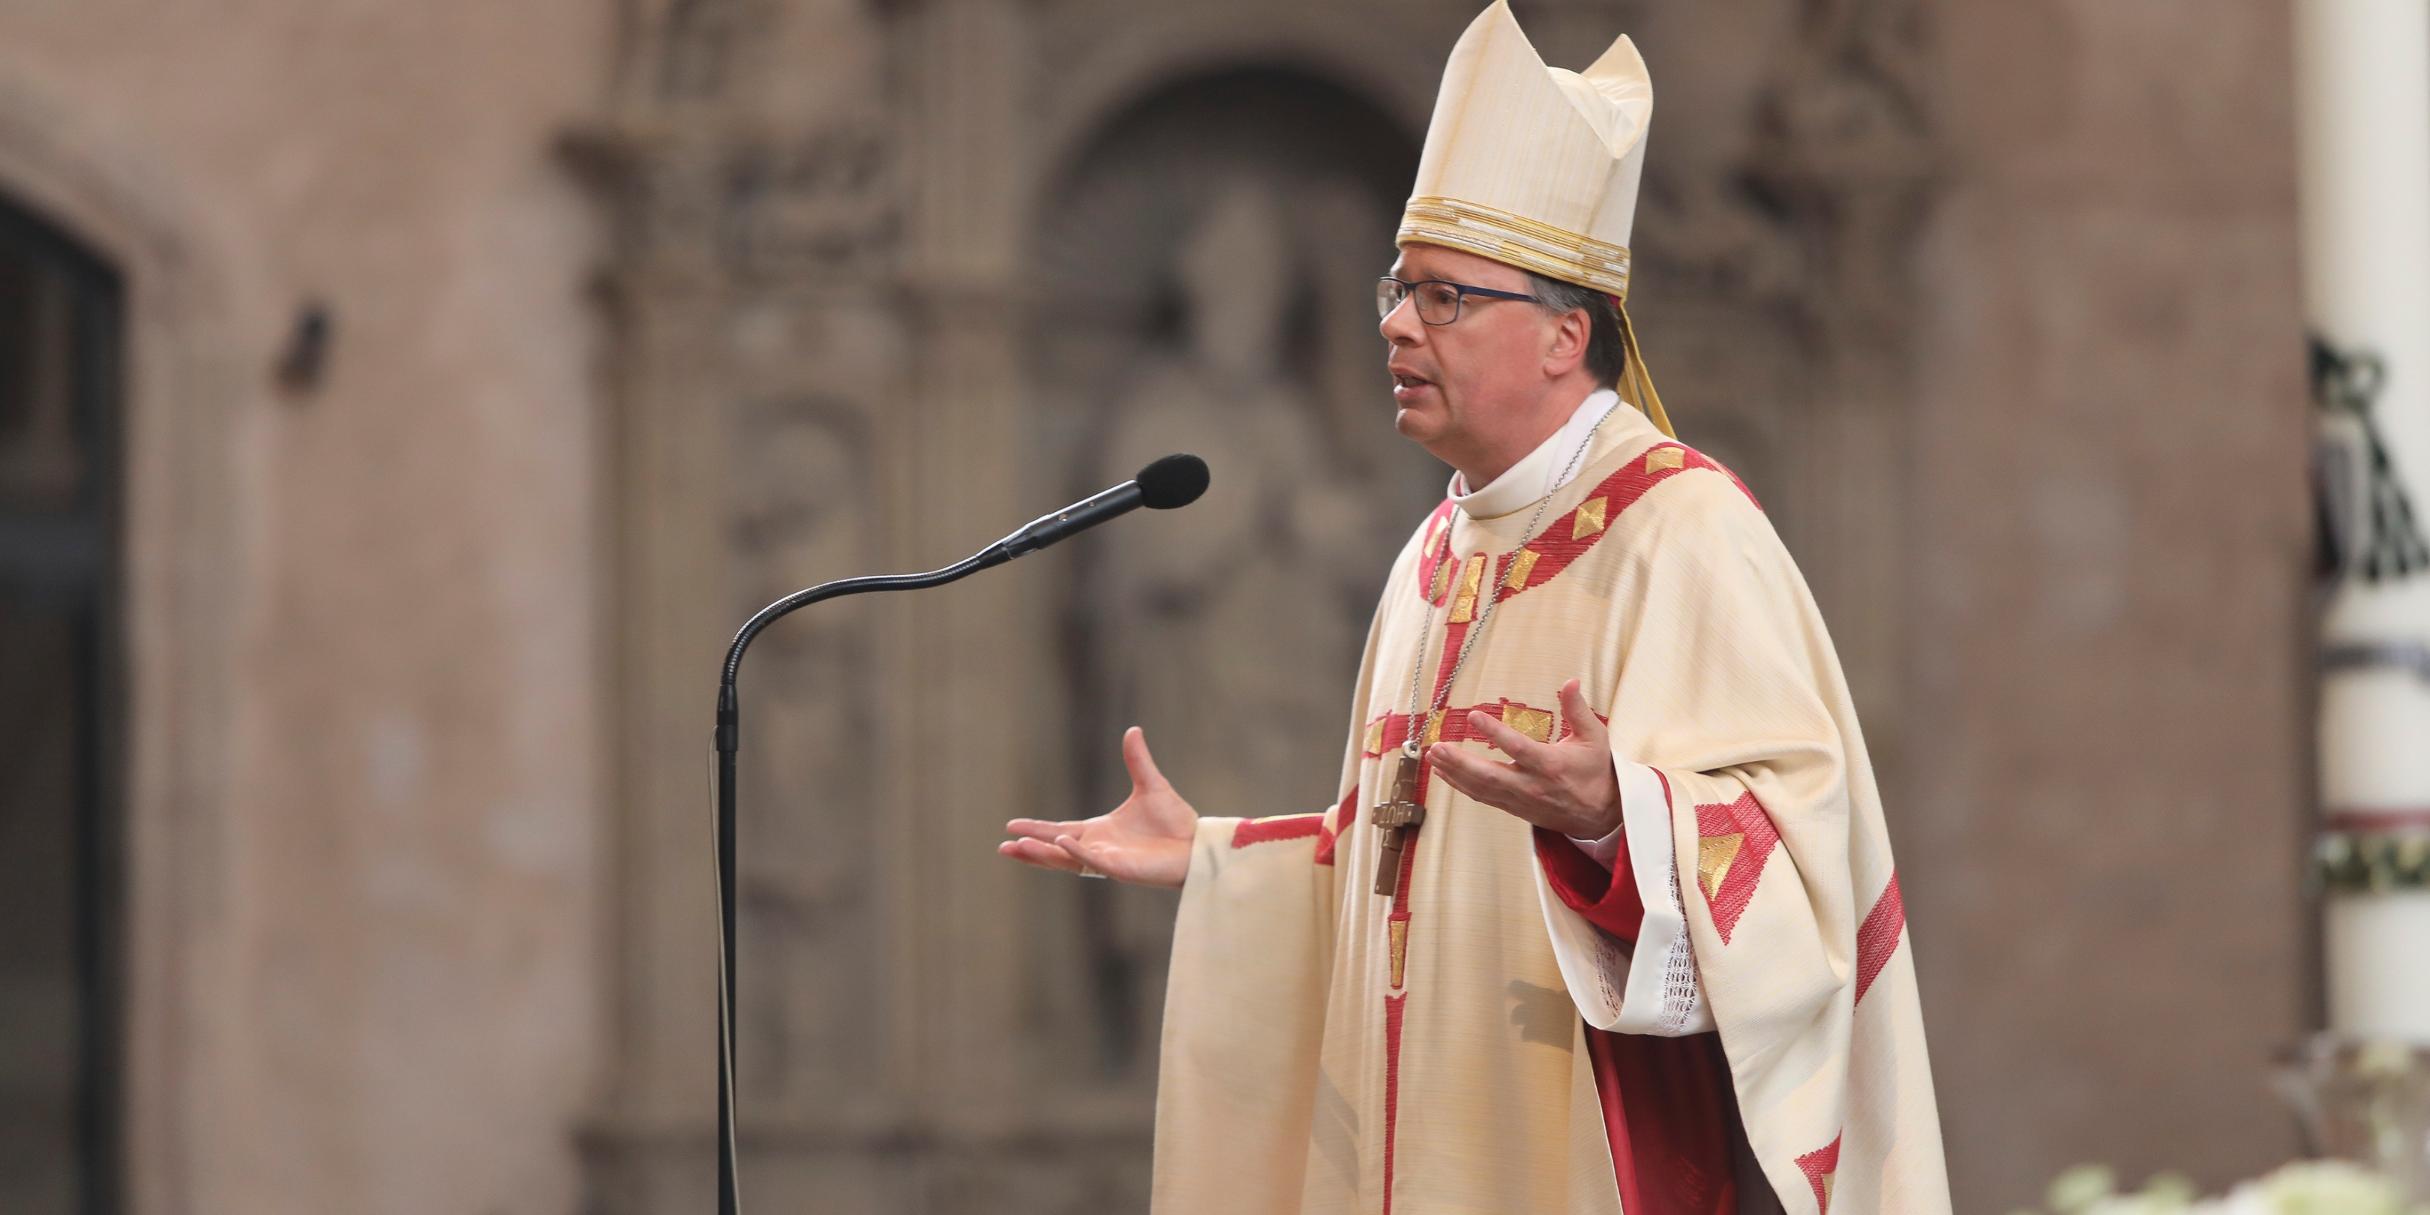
[1606,354]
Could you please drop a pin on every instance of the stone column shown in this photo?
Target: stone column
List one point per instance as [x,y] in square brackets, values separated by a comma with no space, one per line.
[976,654]
[650,1143]
[1843,142]
[983,740]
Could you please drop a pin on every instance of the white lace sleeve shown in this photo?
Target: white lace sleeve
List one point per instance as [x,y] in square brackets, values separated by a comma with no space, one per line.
[1661,997]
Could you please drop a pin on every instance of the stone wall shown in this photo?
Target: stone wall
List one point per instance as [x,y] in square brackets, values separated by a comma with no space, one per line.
[364,666]
[2112,555]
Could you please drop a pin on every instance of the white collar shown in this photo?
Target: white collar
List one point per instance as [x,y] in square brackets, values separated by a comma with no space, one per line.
[1540,472]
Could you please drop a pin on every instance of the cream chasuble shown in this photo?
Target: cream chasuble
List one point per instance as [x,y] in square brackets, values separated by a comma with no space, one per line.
[1331,1051]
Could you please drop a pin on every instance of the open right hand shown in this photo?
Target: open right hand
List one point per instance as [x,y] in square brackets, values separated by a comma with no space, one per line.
[1144,841]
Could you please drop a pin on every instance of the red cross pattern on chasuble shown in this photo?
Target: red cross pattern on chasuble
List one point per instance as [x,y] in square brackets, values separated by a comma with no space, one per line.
[1736,839]
[1463,585]
[1538,562]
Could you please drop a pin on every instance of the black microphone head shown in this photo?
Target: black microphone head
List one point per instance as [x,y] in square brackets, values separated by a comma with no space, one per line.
[1172,481]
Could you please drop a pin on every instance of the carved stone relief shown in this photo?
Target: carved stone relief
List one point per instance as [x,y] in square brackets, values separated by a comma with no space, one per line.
[801,489]
[1220,282]
[819,205]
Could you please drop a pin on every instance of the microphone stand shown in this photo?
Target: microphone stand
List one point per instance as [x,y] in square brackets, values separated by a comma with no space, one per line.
[1173,481]
[729,730]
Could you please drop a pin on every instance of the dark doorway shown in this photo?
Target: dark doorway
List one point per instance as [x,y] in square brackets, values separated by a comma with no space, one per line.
[61,700]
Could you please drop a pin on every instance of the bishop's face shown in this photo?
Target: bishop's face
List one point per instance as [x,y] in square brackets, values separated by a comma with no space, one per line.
[1468,391]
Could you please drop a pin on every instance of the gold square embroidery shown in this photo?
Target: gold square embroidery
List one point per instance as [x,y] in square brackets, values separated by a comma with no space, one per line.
[1400,951]
[1663,457]
[1589,518]
[1375,736]
[1472,575]
[1713,856]
[1534,723]
[1522,564]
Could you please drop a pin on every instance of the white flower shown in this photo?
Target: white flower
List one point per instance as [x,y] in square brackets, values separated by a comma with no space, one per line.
[2304,1188]
[2327,1188]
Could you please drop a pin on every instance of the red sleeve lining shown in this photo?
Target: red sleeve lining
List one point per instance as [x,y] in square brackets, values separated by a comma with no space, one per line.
[1281,827]
[1608,900]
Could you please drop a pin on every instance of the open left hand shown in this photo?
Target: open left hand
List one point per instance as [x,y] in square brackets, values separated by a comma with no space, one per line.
[1566,786]
[1144,841]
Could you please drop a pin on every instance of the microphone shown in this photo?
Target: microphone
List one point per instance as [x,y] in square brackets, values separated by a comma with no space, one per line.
[1173,481]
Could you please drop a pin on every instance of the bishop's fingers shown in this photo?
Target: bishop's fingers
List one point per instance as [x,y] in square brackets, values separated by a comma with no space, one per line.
[1527,751]
[1042,855]
[1479,778]
[1581,715]
[1041,829]
[1141,764]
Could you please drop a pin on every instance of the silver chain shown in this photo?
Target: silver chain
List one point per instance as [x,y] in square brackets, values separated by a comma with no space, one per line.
[1488,588]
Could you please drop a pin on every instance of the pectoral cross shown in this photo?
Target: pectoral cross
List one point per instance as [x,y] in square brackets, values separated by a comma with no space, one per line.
[1394,819]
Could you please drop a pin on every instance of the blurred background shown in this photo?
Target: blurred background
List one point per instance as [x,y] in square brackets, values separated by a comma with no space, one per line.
[401,403]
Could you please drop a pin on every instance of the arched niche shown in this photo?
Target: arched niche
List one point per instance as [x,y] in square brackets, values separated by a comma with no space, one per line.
[1201,278]
[1107,71]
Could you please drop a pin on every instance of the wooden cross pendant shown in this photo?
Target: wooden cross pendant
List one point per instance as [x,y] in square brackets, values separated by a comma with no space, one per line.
[1394,819]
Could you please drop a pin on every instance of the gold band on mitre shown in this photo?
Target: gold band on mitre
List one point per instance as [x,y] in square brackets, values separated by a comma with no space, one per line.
[1515,240]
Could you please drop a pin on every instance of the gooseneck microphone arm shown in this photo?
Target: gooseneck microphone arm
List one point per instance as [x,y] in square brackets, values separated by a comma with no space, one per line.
[729,731]
[1170,482]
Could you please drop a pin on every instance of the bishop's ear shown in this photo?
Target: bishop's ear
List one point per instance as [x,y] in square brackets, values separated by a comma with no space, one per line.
[1572,332]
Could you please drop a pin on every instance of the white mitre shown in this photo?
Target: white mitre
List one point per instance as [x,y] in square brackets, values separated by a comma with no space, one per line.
[1537,167]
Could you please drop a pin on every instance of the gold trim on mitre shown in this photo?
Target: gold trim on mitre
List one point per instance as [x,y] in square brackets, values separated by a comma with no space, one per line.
[1516,240]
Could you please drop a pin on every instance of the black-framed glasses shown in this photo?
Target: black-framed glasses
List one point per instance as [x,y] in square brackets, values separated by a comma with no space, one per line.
[1438,300]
